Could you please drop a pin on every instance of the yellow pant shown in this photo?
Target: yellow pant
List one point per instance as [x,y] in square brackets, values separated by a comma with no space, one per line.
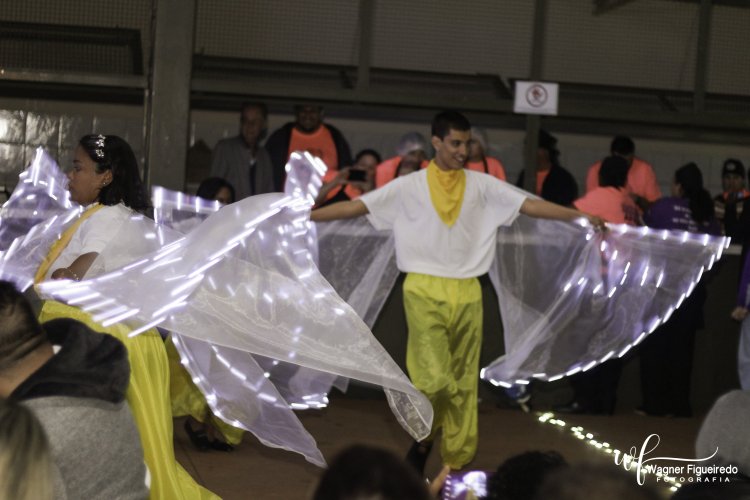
[444,317]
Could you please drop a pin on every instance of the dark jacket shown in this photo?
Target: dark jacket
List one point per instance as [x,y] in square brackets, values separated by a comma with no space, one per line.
[559,187]
[79,397]
[277,146]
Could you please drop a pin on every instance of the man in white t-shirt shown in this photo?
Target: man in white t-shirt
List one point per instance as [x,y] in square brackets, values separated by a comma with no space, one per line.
[445,220]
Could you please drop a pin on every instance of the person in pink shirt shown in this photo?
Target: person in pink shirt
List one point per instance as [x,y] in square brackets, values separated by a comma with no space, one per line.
[610,200]
[641,182]
[478,159]
[412,152]
[595,391]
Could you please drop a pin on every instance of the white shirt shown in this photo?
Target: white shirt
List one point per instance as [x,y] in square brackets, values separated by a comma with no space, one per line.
[93,235]
[424,243]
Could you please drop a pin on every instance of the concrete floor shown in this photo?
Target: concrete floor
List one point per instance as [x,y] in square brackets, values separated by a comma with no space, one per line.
[258,472]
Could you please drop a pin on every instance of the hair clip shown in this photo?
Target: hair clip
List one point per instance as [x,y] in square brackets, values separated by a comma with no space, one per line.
[99,143]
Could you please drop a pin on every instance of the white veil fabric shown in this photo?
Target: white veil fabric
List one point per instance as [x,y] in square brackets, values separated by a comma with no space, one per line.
[242,281]
[571,298]
[40,194]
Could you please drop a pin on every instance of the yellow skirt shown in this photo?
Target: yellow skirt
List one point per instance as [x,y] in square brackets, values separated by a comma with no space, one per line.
[187,399]
[148,397]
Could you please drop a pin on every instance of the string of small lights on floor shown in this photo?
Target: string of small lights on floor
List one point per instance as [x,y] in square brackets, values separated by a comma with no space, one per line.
[628,461]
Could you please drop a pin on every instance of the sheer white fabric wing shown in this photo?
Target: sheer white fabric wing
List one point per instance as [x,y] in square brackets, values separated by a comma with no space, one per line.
[571,298]
[39,195]
[299,386]
[33,218]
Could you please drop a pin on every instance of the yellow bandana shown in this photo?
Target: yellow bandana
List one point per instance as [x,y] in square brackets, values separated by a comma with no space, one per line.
[57,247]
[446,191]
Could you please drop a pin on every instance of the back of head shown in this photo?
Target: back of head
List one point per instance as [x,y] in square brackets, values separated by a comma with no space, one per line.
[725,427]
[209,188]
[20,332]
[622,145]
[446,121]
[111,152]
[363,472]
[690,179]
[587,482]
[548,142]
[613,172]
[410,142]
[519,477]
[25,462]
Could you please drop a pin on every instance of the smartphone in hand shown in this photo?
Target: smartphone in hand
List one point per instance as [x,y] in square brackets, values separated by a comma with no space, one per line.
[462,485]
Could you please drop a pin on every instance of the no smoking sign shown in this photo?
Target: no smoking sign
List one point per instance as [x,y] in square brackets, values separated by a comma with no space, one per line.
[536,98]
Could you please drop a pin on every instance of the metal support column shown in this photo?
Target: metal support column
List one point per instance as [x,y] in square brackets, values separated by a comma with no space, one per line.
[366,12]
[169,93]
[702,53]
[533,122]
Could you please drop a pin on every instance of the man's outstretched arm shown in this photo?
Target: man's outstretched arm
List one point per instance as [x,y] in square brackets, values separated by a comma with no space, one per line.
[342,210]
[541,209]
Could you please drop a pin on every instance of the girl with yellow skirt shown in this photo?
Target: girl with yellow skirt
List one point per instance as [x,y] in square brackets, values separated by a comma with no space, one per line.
[105,180]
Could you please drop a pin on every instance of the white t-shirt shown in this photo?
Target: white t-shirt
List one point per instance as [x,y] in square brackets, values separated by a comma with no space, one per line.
[424,243]
[93,235]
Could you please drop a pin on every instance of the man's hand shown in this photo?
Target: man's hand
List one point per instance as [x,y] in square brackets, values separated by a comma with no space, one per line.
[739,313]
[437,484]
[596,221]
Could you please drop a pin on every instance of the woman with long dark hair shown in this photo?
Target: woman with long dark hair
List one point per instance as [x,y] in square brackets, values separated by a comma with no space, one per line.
[105,180]
[667,354]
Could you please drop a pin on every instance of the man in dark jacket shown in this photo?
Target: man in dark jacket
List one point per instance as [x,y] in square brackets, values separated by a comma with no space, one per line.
[308,133]
[241,160]
[554,183]
[74,380]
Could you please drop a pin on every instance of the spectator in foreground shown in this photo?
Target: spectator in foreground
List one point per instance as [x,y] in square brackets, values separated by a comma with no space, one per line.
[78,395]
[587,482]
[26,471]
[520,476]
[364,472]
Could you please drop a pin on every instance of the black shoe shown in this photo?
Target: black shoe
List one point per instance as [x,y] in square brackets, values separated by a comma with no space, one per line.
[220,446]
[197,437]
[418,454]
[573,408]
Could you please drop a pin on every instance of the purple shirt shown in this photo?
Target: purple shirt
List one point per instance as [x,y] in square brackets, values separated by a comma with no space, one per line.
[674,213]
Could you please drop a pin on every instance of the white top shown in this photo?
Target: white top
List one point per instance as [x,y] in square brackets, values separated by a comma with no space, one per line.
[93,235]
[424,243]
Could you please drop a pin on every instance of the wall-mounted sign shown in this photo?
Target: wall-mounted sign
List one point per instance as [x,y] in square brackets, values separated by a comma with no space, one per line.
[536,98]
